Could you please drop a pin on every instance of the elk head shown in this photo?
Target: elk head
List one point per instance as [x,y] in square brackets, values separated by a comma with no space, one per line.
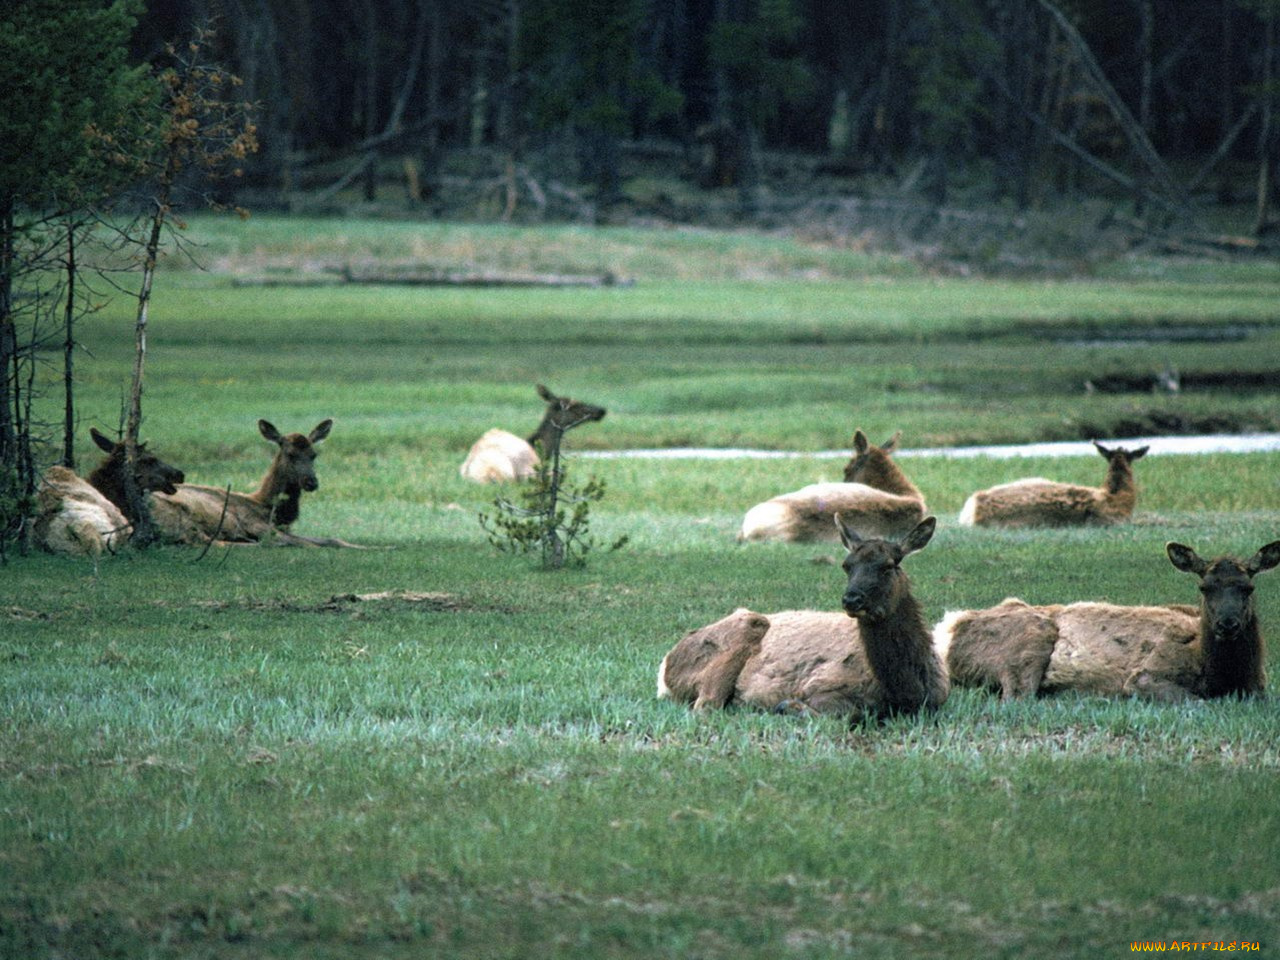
[295,462]
[562,414]
[867,459]
[150,472]
[1226,584]
[877,582]
[1118,458]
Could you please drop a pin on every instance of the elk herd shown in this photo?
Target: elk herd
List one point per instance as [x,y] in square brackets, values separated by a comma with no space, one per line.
[876,657]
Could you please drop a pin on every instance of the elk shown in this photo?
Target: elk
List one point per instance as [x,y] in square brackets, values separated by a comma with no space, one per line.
[873,660]
[502,457]
[876,499]
[197,514]
[78,517]
[1037,502]
[1168,653]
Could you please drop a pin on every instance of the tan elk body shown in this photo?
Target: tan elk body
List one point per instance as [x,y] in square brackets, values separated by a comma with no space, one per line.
[1037,502]
[197,514]
[1170,652]
[873,660]
[74,519]
[78,517]
[501,457]
[876,499]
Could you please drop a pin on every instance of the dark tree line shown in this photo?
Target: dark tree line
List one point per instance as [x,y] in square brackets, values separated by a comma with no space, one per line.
[1038,90]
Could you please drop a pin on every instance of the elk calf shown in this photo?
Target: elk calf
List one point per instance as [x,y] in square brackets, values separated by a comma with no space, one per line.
[1036,502]
[1173,652]
[502,457]
[873,660]
[875,499]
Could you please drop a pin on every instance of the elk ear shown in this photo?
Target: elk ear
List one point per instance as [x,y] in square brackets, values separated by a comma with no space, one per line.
[103,443]
[860,442]
[1101,449]
[321,431]
[546,394]
[268,430]
[918,538]
[1138,454]
[891,444]
[848,536]
[1264,559]
[1185,559]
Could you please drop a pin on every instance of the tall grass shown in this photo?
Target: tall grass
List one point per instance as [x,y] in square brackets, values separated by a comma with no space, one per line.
[240,757]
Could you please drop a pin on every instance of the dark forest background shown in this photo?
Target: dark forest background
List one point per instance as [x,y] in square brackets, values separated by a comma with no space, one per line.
[752,109]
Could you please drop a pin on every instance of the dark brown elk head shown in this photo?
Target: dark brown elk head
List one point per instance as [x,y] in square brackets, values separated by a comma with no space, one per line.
[562,415]
[1229,633]
[150,472]
[877,583]
[1226,584]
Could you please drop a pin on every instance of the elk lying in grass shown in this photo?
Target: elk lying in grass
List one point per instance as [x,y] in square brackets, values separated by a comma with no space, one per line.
[873,660]
[1036,502]
[876,499]
[501,457]
[1173,652]
[196,514]
[87,518]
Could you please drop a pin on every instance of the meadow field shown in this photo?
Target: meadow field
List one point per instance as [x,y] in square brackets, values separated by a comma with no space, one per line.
[429,748]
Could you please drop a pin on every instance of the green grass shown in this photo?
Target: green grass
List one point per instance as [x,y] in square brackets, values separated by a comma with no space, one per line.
[230,758]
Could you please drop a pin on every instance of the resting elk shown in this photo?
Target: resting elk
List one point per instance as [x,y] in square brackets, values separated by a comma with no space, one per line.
[86,518]
[872,661]
[501,457]
[1036,502]
[1173,652]
[197,514]
[876,499]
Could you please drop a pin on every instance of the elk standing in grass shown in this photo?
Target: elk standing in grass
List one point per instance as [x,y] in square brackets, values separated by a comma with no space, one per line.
[502,457]
[872,661]
[1036,502]
[87,518]
[197,514]
[876,499]
[1173,652]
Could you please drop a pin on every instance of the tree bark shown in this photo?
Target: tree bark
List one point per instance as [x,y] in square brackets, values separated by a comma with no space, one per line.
[68,355]
[1266,135]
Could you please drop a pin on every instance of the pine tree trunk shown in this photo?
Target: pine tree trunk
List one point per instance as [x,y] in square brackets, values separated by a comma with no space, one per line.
[144,532]
[1266,135]
[68,355]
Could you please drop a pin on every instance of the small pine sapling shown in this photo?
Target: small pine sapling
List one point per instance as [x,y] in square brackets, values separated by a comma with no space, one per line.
[551,517]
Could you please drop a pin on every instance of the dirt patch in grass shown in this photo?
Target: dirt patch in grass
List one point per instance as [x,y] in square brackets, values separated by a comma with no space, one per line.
[1229,381]
[353,603]
[21,614]
[1168,423]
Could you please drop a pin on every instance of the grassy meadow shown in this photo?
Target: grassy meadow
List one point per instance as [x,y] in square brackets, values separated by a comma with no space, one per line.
[430,748]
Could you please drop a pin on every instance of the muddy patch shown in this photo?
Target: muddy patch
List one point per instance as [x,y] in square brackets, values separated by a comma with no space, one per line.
[1188,381]
[1090,335]
[357,604]
[1167,423]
